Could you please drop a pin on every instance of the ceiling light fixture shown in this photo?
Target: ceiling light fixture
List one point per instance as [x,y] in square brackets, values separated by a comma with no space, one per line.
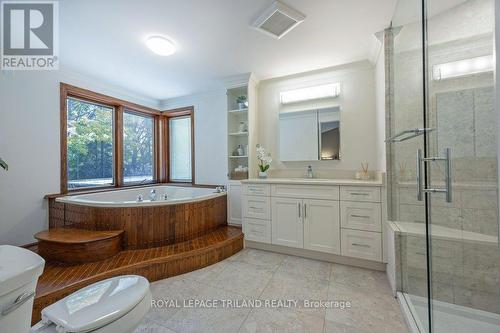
[160,45]
[306,94]
[463,68]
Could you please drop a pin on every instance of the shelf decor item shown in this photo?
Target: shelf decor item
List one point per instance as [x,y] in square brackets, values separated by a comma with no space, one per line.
[264,161]
[365,175]
[242,128]
[242,102]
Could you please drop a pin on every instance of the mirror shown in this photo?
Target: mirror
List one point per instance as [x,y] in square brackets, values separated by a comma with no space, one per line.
[329,134]
[310,135]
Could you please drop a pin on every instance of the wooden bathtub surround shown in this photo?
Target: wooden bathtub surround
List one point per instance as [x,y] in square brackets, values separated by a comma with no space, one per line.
[76,246]
[58,281]
[144,227]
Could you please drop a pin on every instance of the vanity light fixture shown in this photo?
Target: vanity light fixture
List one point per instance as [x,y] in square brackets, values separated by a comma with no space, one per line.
[463,68]
[330,90]
[161,45]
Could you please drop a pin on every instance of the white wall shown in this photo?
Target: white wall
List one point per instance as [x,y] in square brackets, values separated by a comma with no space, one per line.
[358,117]
[210,123]
[29,142]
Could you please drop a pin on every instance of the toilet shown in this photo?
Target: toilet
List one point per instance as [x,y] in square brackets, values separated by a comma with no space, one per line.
[114,305]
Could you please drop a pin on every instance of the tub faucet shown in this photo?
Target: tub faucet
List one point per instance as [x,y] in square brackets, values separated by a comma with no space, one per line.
[220,189]
[4,164]
[310,173]
[152,195]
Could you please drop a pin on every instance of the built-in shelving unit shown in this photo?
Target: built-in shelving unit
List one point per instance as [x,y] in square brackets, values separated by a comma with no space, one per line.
[237,118]
[245,85]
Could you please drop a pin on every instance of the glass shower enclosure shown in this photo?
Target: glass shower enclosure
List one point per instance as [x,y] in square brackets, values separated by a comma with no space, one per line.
[442,162]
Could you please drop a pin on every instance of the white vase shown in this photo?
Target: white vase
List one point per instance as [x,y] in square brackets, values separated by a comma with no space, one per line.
[262,175]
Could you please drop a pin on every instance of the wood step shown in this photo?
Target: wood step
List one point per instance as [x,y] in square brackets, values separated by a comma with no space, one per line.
[58,281]
[76,246]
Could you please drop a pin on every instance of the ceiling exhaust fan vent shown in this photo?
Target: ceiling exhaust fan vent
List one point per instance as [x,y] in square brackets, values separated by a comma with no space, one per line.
[278,20]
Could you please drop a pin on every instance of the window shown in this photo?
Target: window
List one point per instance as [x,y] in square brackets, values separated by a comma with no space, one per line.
[138,148]
[107,142]
[180,149]
[89,144]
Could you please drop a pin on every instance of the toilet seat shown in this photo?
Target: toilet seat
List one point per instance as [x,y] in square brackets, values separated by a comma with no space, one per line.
[96,306]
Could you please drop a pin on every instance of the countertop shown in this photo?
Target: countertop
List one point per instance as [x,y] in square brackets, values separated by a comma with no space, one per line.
[314,181]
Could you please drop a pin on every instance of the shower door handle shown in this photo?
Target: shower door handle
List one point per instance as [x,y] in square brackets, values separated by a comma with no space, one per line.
[447,190]
[419,174]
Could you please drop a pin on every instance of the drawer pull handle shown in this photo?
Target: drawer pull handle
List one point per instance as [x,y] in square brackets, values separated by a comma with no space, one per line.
[360,216]
[365,194]
[360,245]
[257,208]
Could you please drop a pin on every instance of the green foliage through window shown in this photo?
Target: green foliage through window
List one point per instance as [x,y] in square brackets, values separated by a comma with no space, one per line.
[90,144]
[138,148]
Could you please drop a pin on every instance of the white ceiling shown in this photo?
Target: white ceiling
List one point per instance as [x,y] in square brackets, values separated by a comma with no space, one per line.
[105,40]
[410,11]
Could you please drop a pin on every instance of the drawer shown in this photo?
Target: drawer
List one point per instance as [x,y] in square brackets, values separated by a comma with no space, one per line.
[257,207]
[361,215]
[257,189]
[357,193]
[257,230]
[305,191]
[361,244]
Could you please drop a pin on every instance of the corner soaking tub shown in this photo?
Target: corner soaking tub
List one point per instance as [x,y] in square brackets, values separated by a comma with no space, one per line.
[187,213]
[129,197]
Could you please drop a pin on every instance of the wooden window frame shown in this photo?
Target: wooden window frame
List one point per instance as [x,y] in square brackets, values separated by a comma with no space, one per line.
[120,106]
[176,113]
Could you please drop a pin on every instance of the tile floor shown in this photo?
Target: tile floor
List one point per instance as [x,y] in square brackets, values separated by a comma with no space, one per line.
[259,275]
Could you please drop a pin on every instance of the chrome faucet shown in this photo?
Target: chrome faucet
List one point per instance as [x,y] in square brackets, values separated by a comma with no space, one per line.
[310,173]
[152,195]
[139,198]
[4,164]
[220,189]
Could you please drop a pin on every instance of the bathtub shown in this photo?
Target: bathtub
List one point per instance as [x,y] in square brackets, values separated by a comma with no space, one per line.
[187,213]
[129,197]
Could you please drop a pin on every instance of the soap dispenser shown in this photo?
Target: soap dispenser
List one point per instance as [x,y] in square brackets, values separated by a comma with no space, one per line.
[310,172]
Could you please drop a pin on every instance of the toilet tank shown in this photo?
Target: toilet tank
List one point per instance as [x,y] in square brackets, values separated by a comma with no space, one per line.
[19,272]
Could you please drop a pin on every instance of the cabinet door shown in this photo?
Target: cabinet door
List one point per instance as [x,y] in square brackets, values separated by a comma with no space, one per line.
[286,222]
[322,226]
[234,203]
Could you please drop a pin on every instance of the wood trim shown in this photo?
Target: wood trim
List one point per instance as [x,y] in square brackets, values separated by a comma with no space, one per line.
[118,149]
[193,159]
[164,150]
[174,113]
[105,99]
[157,149]
[63,128]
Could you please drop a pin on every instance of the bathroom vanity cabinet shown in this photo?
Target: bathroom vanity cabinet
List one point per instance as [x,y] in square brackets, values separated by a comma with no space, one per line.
[337,217]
